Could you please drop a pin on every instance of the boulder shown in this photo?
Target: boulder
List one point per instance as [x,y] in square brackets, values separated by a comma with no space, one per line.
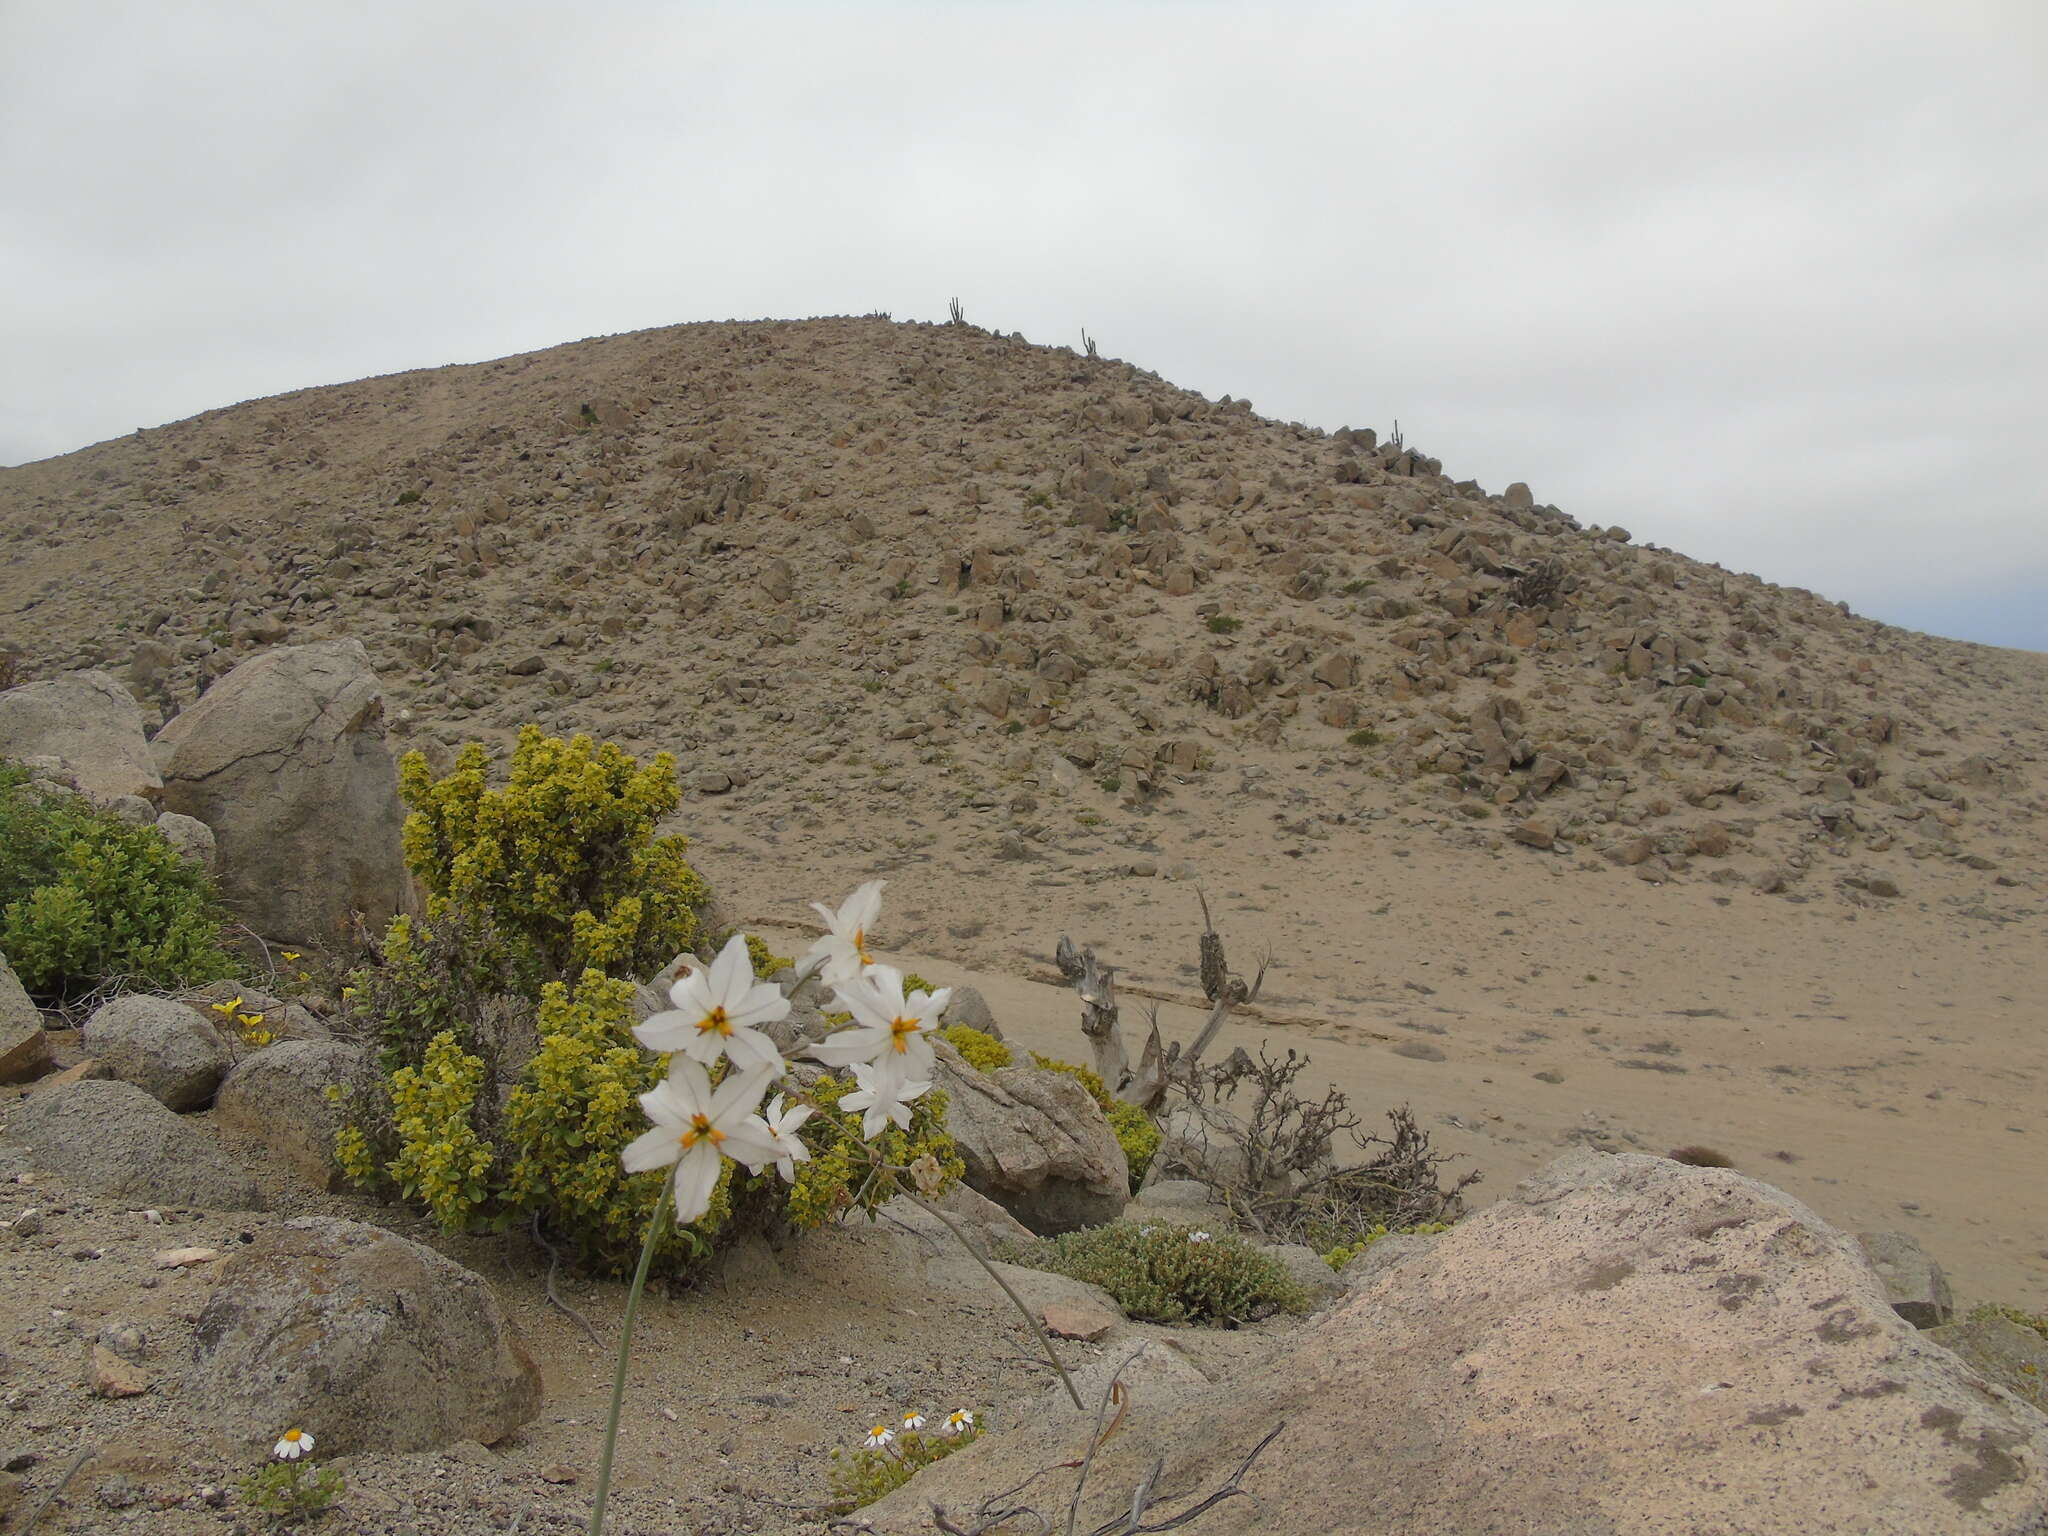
[189,837]
[91,724]
[166,1048]
[279,1095]
[111,1138]
[1378,1257]
[1034,1142]
[1918,1289]
[967,1006]
[984,1223]
[285,759]
[1626,1346]
[368,1341]
[1306,1268]
[24,1047]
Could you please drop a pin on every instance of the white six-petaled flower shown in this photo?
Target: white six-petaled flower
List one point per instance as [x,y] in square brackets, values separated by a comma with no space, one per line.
[885,1022]
[884,1094]
[778,1125]
[879,1436]
[695,1126]
[959,1421]
[912,1422]
[843,951]
[296,1443]
[717,1010]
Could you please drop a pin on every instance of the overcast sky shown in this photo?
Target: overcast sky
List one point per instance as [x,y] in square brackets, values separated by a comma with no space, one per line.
[1766,283]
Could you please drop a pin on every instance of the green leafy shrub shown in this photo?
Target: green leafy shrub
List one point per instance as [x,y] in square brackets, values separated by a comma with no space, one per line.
[442,1162]
[1165,1273]
[765,961]
[1136,1132]
[1345,1252]
[1223,624]
[1365,736]
[563,861]
[859,1477]
[983,1052]
[87,898]
[291,1491]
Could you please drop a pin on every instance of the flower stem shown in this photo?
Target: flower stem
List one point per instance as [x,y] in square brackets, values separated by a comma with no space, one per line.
[1015,1300]
[611,1423]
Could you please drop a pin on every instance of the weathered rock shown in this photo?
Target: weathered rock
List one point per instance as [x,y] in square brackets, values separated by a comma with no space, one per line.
[1065,1321]
[1378,1257]
[370,1342]
[279,1095]
[24,1047]
[114,1139]
[111,1376]
[2001,1351]
[284,758]
[986,1224]
[88,721]
[190,837]
[1625,1347]
[1537,832]
[1035,1143]
[164,1047]
[1918,1289]
[1305,1267]
[967,1006]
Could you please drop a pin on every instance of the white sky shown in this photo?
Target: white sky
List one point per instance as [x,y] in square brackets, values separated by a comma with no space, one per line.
[1764,282]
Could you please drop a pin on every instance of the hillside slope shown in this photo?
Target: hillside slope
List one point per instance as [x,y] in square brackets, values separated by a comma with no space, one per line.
[1039,636]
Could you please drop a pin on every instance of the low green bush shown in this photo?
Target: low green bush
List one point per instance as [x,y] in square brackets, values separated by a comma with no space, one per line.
[1165,1273]
[1345,1252]
[983,1052]
[87,899]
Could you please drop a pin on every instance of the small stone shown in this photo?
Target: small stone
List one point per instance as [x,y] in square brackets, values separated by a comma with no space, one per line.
[1913,1282]
[710,781]
[559,1472]
[111,1376]
[1419,1050]
[185,1258]
[1536,832]
[1065,1320]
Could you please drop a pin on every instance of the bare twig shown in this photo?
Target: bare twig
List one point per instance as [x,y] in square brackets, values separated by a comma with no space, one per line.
[70,1471]
[1116,1392]
[555,1263]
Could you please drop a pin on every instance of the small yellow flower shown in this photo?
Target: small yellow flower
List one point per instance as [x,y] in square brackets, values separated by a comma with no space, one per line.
[291,954]
[229,1009]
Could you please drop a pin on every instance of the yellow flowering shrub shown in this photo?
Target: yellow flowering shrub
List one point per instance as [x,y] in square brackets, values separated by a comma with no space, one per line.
[981,1051]
[563,860]
[825,1185]
[442,1162]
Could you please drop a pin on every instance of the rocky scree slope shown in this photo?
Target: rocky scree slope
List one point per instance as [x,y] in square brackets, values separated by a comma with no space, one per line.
[912,582]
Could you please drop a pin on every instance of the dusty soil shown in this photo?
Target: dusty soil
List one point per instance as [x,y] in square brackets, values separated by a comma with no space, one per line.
[932,604]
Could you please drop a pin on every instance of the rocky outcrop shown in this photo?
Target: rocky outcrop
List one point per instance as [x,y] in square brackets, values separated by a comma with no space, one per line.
[91,724]
[1035,1143]
[366,1340]
[1626,1346]
[285,759]
[166,1048]
[114,1139]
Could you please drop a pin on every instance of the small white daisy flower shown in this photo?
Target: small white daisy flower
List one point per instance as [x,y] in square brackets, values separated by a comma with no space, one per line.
[912,1422]
[1198,1237]
[959,1422]
[296,1443]
[879,1436]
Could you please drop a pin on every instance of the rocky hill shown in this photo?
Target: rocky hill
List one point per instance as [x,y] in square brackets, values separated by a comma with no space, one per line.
[1035,634]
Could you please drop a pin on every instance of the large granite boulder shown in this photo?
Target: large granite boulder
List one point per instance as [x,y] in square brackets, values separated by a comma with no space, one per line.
[1034,1142]
[1625,1346]
[280,1096]
[111,1138]
[285,759]
[91,724]
[168,1049]
[24,1046]
[366,1340]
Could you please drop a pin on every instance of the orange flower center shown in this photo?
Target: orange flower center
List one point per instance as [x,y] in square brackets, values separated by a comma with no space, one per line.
[699,1129]
[860,946]
[900,1031]
[715,1023]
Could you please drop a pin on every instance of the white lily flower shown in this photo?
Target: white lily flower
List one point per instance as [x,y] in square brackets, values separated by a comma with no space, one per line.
[696,1127]
[885,1021]
[778,1126]
[716,1010]
[884,1094]
[296,1443]
[843,950]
